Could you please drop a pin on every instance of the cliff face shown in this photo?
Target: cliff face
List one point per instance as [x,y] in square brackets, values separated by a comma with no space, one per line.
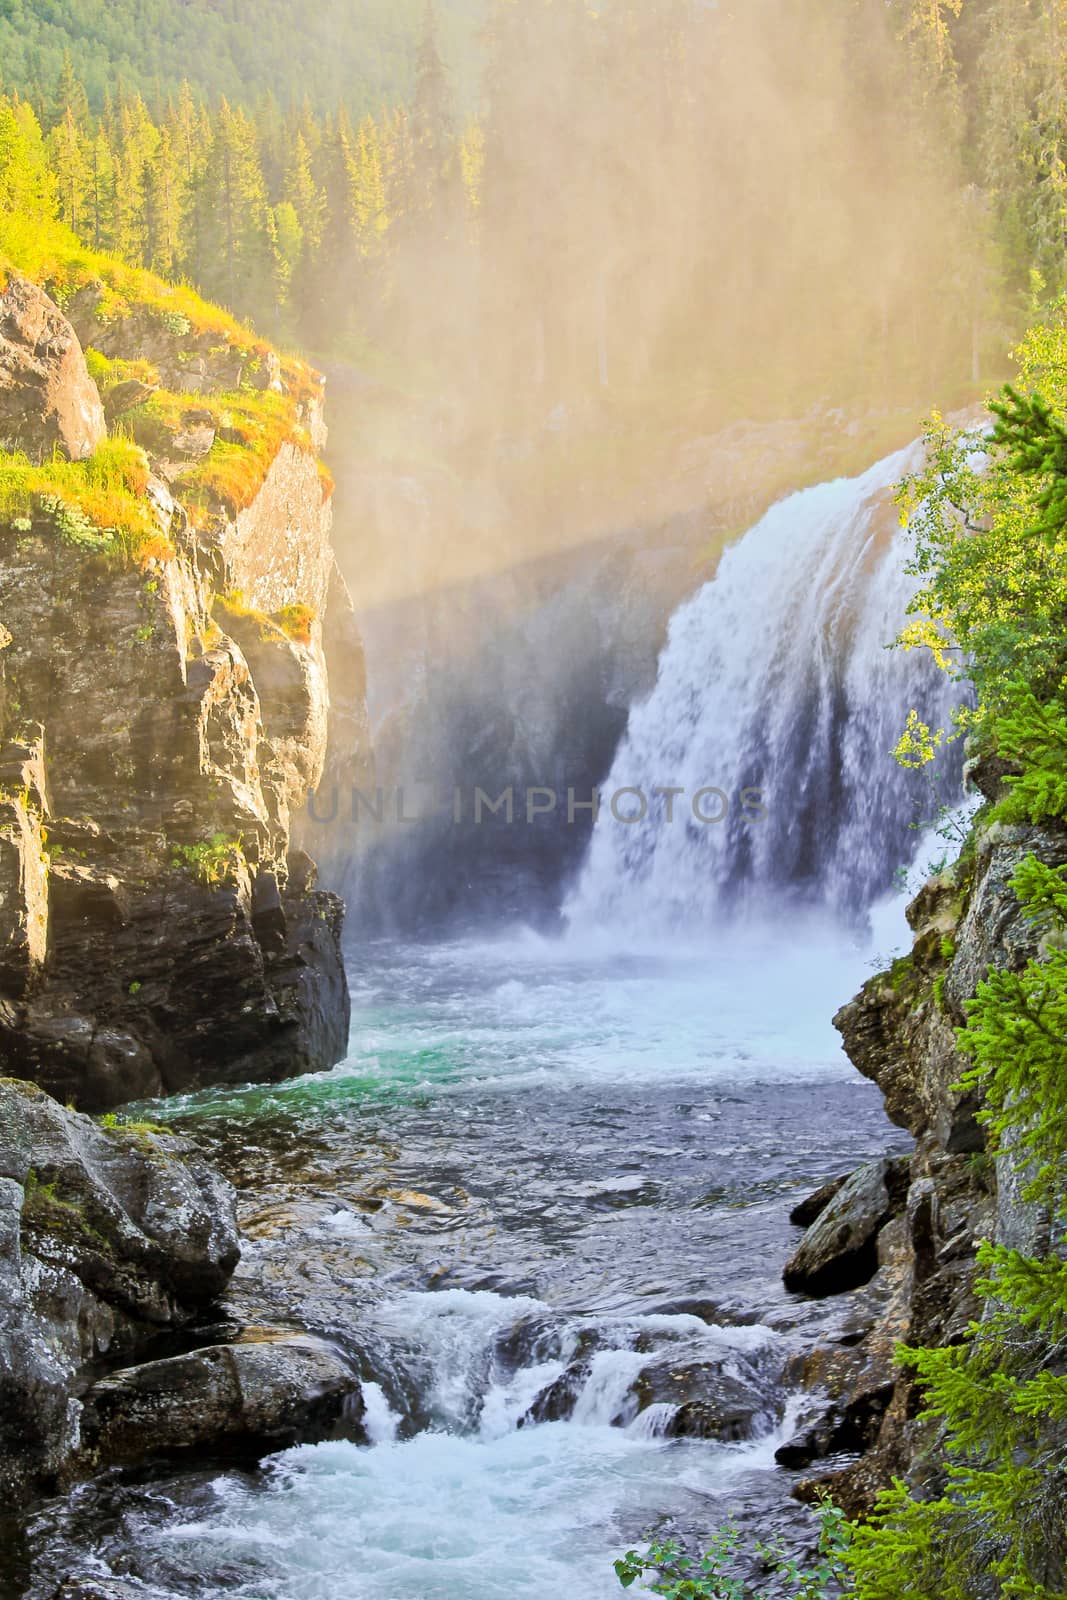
[164,711]
[899,1032]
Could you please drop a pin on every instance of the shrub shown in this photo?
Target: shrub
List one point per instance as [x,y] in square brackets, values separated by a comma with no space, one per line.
[213,861]
[714,1575]
[296,621]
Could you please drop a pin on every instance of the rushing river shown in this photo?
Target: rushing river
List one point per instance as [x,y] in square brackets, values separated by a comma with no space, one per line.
[545,1200]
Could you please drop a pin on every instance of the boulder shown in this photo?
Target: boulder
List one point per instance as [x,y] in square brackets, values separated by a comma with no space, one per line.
[810,1209]
[245,1400]
[109,1236]
[47,398]
[840,1249]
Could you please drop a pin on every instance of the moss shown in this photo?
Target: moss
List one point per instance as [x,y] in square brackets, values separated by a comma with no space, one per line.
[108,372]
[45,1210]
[130,1127]
[901,974]
[251,426]
[291,622]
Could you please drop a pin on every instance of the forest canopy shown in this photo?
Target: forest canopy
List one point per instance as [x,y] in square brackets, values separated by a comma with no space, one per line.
[332,52]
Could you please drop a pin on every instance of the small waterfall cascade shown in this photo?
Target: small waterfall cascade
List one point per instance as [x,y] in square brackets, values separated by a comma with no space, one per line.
[776,678]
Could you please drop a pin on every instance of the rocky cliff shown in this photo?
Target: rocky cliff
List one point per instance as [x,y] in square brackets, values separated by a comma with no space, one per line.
[166,575]
[918,1237]
[167,595]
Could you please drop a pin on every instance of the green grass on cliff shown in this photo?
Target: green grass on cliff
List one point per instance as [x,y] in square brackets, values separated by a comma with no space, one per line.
[106,494]
[98,505]
[50,254]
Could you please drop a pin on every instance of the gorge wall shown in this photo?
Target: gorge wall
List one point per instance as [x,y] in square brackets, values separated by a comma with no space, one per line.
[165,702]
[167,595]
[921,1235]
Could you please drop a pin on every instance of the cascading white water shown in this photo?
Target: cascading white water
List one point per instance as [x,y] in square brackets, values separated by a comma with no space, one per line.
[776,677]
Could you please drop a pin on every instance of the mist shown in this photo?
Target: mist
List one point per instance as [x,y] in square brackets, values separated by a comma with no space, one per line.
[686,259]
[668,218]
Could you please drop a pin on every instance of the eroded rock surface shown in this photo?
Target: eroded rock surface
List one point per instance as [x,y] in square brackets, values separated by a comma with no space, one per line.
[162,720]
[48,401]
[900,1032]
[840,1249]
[246,1399]
[109,1236]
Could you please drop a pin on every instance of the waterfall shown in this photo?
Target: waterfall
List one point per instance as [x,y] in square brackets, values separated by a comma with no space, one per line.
[776,678]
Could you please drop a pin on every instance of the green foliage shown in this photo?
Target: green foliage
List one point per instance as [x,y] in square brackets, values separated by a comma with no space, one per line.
[1016,1033]
[213,861]
[27,183]
[713,1576]
[1033,735]
[991,550]
[116,1122]
[97,505]
[296,621]
[1035,443]
[1001,1399]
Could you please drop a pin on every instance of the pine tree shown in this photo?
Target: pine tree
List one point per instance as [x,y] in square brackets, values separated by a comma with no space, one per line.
[301,192]
[100,193]
[71,168]
[70,97]
[369,214]
[233,258]
[435,166]
[27,185]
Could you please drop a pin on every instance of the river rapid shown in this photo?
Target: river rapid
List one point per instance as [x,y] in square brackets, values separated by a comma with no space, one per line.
[544,1202]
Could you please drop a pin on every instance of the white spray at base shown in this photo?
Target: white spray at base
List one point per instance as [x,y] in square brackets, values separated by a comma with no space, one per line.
[776,677]
[483,1504]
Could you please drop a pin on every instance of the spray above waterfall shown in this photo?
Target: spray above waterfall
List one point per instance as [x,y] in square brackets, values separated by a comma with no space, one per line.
[776,679]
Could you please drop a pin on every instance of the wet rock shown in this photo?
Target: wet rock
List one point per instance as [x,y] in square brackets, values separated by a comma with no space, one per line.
[350,765]
[725,1416]
[24,806]
[900,1031]
[48,401]
[807,1212]
[97,1589]
[854,1387]
[108,1236]
[246,1399]
[993,934]
[840,1249]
